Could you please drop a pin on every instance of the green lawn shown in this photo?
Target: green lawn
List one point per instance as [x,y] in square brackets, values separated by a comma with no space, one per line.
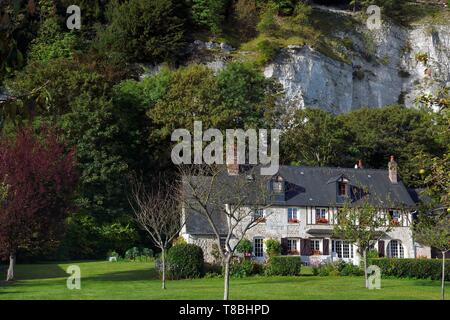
[138,280]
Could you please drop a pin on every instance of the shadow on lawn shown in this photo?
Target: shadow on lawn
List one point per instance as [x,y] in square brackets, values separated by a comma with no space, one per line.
[129,275]
[36,272]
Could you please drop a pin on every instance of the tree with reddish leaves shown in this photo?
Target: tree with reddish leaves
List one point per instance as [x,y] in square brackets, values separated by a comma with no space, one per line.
[38,177]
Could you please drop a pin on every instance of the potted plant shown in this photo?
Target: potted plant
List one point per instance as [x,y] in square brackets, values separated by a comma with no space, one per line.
[317,253]
[245,247]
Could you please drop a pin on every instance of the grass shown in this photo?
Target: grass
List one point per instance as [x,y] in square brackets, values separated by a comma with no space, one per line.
[139,280]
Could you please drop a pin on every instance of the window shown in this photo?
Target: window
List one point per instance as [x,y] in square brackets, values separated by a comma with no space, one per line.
[315,246]
[342,188]
[258,247]
[394,216]
[258,213]
[278,185]
[222,243]
[292,215]
[321,215]
[395,249]
[292,246]
[343,249]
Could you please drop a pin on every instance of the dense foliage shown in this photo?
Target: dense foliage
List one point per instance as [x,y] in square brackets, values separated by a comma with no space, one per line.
[284,266]
[185,261]
[99,86]
[411,268]
[39,176]
[338,268]
[245,268]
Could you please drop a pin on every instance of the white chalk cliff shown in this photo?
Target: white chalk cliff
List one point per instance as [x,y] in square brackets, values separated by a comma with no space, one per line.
[404,64]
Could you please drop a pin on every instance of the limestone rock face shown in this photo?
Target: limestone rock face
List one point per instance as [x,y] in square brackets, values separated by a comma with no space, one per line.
[386,66]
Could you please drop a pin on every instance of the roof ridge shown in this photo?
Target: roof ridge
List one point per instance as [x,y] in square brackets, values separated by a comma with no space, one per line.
[335,168]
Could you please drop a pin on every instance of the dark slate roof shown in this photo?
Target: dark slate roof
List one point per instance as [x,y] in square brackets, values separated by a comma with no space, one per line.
[314,186]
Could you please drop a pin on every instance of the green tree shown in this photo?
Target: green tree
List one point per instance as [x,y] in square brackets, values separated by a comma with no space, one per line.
[361,223]
[209,14]
[317,138]
[393,130]
[143,30]
[434,230]
[247,95]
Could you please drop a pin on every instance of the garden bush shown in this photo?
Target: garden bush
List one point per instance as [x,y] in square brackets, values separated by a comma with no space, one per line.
[337,268]
[245,246]
[185,261]
[412,268]
[136,254]
[283,266]
[245,268]
[273,247]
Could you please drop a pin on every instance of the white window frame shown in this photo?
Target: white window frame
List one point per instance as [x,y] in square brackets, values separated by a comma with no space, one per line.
[321,210]
[297,245]
[259,216]
[316,244]
[339,246]
[399,251]
[294,210]
[261,246]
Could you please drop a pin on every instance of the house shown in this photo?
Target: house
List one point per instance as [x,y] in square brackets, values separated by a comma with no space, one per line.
[304,211]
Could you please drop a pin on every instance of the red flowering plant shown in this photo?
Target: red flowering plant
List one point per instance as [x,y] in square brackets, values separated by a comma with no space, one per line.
[322,220]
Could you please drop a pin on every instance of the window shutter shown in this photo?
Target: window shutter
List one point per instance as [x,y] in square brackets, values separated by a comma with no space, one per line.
[284,246]
[381,248]
[326,247]
[305,247]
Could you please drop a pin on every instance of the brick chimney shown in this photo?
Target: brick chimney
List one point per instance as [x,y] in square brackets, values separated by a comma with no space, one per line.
[392,166]
[360,164]
[233,167]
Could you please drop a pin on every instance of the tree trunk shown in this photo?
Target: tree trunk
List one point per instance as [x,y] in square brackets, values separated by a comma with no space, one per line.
[443,276]
[365,268]
[226,287]
[163,261]
[12,264]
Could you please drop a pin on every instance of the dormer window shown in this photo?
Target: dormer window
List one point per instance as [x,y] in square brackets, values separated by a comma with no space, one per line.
[342,188]
[278,185]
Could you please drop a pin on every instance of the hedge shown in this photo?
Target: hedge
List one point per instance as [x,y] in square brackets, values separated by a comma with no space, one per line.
[412,268]
[185,261]
[284,266]
[245,268]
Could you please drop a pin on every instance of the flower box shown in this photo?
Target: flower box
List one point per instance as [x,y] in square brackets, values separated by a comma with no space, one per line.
[322,220]
[261,220]
[293,220]
[317,253]
[395,222]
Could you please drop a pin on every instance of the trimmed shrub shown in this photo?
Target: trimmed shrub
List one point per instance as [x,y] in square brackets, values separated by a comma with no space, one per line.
[273,247]
[337,268]
[245,268]
[185,261]
[284,266]
[412,268]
